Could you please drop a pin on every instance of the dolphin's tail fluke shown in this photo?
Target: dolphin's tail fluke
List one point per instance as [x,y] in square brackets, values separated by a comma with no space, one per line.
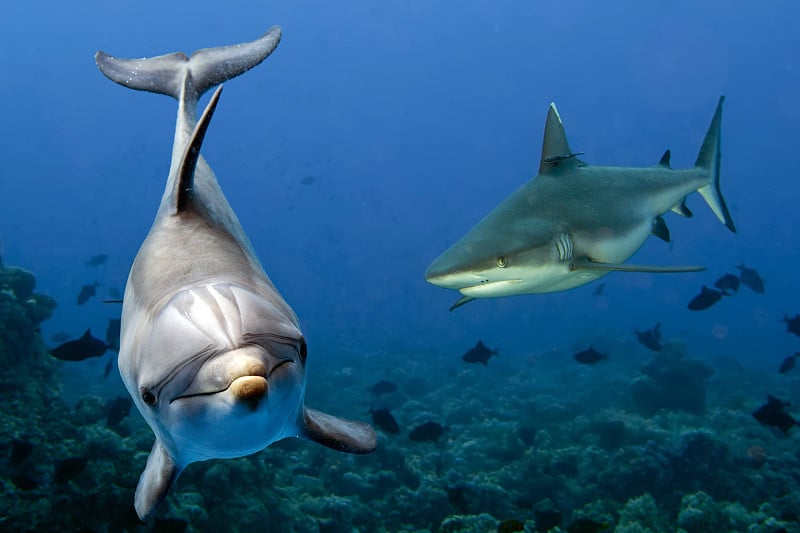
[709,160]
[185,77]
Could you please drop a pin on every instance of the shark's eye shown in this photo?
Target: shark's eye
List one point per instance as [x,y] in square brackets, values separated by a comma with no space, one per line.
[148,397]
[502,262]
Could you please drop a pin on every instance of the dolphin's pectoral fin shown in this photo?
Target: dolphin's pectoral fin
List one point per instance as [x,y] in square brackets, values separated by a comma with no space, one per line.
[349,436]
[182,194]
[588,264]
[154,483]
[462,301]
[660,229]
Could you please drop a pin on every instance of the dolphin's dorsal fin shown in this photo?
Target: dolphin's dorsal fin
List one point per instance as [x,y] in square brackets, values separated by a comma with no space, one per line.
[556,153]
[349,436]
[664,161]
[182,194]
[156,479]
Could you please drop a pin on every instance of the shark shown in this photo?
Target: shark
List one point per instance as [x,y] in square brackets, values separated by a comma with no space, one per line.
[211,353]
[574,223]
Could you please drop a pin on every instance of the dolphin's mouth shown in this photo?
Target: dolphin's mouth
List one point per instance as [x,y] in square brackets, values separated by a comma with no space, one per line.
[243,386]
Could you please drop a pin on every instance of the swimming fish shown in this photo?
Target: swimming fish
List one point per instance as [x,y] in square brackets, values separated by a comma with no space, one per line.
[479,354]
[751,278]
[427,432]
[728,284]
[705,299]
[87,291]
[773,413]
[589,356]
[792,324]
[77,350]
[651,338]
[382,387]
[97,260]
[384,420]
[788,363]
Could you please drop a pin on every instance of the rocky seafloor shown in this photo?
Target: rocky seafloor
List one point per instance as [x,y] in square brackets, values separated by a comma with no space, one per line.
[668,445]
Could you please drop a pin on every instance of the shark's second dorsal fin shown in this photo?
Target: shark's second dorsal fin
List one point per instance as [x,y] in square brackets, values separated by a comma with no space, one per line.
[556,153]
[664,161]
[182,195]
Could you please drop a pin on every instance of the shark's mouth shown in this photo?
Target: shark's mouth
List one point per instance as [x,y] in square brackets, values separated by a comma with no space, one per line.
[490,288]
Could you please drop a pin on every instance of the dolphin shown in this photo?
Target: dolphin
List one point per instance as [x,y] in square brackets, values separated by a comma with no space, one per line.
[210,352]
[574,223]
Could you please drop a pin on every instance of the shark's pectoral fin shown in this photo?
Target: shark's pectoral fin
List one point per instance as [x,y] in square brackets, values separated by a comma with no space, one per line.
[660,229]
[154,483]
[349,436]
[588,264]
[461,301]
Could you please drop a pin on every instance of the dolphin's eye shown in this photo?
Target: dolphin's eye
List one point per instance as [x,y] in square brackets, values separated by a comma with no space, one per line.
[502,262]
[148,397]
[303,351]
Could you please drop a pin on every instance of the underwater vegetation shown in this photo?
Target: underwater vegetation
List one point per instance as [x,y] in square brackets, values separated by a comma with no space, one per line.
[552,445]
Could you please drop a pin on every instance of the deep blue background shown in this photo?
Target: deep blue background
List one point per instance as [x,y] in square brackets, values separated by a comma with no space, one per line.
[414,119]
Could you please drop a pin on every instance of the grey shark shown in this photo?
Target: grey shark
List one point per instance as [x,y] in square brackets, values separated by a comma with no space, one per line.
[574,222]
[210,352]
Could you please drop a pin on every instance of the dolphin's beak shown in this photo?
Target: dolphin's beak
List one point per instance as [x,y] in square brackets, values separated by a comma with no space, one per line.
[249,388]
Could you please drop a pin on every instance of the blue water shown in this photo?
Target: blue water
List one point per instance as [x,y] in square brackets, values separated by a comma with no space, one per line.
[379,132]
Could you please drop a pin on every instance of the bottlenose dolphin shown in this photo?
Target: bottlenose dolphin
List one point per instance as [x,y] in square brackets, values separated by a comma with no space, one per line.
[210,352]
[574,223]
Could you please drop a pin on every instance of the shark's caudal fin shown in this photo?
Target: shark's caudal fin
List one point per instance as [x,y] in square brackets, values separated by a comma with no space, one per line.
[709,159]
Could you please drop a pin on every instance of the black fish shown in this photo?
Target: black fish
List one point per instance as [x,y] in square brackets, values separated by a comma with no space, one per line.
[728,284]
[788,363]
[751,278]
[80,349]
[20,450]
[479,354]
[651,338]
[308,180]
[793,324]
[427,432]
[107,369]
[773,413]
[87,291]
[511,525]
[97,260]
[589,357]
[66,469]
[382,387]
[547,520]
[117,409]
[599,291]
[705,299]
[384,420]
[587,525]
[61,336]
[112,333]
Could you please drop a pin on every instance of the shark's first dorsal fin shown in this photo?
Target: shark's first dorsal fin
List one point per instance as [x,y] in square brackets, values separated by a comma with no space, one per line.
[664,161]
[556,153]
[182,194]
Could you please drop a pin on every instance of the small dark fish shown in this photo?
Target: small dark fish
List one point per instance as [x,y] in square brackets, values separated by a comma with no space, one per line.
[112,333]
[87,291]
[61,336]
[479,354]
[547,520]
[728,284]
[66,469]
[773,413]
[382,387]
[792,324]
[589,357]
[308,180]
[108,367]
[427,432]
[788,363]
[80,349]
[751,278]
[705,299]
[117,409]
[97,260]
[169,525]
[384,420]
[509,526]
[24,481]
[599,291]
[20,450]
[587,525]
[651,338]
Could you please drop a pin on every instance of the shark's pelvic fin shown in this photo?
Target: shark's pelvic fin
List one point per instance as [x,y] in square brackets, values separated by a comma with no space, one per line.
[183,185]
[664,161]
[556,153]
[587,264]
[461,301]
[154,483]
[709,159]
[682,209]
[660,229]
[339,434]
